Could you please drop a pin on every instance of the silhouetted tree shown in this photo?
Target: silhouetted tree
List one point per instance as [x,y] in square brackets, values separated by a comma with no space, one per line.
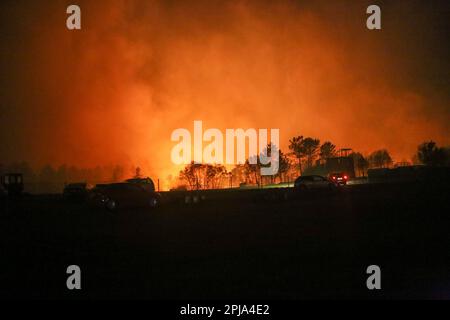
[284,166]
[298,151]
[253,170]
[380,159]
[283,162]
[213,175]
[430,154]
[203,176]
[188,175]
[360,162]
[310,146]
[238,174]
[327,150]
[137,173]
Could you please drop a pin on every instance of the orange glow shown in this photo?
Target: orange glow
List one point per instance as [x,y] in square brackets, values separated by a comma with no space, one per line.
[114,92]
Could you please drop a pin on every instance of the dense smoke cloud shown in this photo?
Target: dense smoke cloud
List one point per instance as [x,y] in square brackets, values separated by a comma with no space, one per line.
[114,91]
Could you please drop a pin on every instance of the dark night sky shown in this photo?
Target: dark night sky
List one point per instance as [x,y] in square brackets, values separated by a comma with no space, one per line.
[113,92]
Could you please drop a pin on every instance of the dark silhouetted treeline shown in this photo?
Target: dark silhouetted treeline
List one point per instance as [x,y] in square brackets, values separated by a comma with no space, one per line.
[305,153]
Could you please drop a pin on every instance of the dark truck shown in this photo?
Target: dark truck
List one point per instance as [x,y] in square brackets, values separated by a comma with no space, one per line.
[128,194]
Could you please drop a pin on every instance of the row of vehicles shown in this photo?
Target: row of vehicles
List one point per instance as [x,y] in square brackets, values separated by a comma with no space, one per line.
[137,192]
[140,192]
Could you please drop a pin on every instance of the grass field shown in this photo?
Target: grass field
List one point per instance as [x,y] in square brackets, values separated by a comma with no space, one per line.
[231,246]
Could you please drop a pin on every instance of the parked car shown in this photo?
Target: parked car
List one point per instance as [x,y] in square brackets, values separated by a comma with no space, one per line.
[339,178]
[313,182]
[124,195]
[76,191]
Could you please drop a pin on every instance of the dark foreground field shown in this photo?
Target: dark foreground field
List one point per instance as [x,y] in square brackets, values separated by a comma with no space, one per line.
[315,247]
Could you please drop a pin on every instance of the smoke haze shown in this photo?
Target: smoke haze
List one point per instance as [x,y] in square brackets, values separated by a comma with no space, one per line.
[114,91]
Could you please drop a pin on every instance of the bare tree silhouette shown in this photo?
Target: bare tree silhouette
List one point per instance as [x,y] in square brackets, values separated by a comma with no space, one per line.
[430,154]
[380,159]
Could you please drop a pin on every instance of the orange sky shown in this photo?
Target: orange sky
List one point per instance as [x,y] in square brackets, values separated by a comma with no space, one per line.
[114,91]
